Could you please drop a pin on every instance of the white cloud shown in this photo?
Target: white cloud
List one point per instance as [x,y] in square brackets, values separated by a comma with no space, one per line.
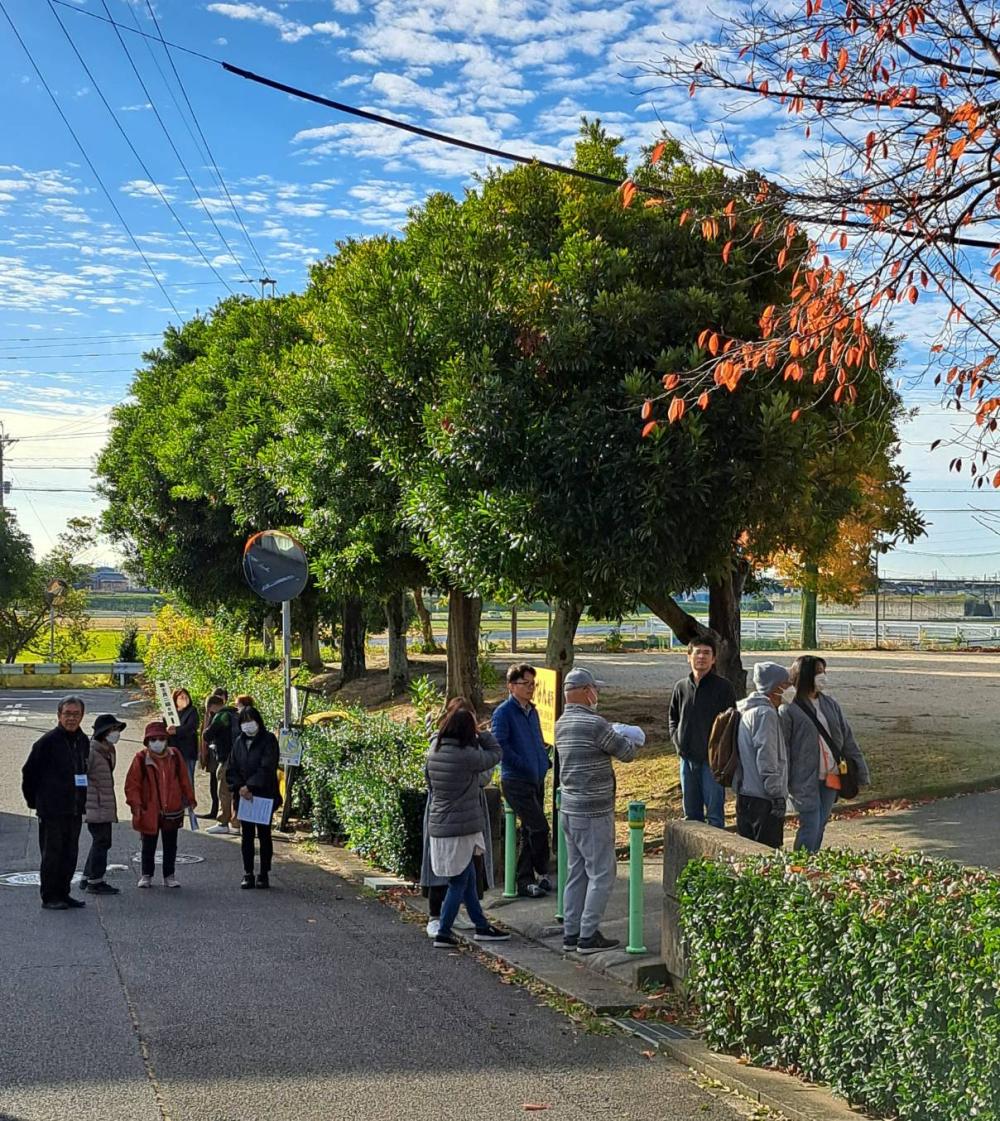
[143,188]
[290,30]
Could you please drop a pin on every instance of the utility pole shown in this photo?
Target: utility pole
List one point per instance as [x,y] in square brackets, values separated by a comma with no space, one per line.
[264,282]
[5,442]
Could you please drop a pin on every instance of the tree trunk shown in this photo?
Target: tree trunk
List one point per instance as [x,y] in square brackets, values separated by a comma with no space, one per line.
[312,656]
[399,666]
[464,613]
[685,626]
[562,631]
[246,641]
[426,626]
[724,597]
[267,632]
[809,596]
[352,644]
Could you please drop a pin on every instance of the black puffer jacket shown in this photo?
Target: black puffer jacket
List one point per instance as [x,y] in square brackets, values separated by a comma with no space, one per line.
[254,764]
[453,772]
[48,778]
[185,739]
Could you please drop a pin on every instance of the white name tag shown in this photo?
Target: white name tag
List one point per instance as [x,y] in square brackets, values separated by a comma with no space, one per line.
[81,780]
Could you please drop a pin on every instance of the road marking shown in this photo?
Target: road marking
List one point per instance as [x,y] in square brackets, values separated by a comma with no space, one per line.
[13,714]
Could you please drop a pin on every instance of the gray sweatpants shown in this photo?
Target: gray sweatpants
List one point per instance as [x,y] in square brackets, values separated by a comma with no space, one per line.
[591,870]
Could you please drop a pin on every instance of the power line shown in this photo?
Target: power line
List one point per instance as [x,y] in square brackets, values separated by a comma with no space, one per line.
[135,152]
[87,159]
[204,139]
[63,435]
[60,357]
[44,340]
[173,146]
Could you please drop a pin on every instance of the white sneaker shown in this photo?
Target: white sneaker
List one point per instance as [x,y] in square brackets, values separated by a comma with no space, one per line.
[223,829]
[170,881]
[433,927]
[145,881]
[462,923]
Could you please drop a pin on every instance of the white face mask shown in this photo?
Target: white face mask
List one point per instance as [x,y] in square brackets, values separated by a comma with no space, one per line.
[788,696]
[250,728]
[112,737]
[820,682]
[159,746]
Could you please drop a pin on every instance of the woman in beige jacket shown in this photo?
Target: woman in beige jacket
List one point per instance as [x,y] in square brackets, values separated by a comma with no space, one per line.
[102,807]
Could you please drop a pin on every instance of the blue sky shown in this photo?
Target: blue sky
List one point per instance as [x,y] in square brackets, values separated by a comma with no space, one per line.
[77,302]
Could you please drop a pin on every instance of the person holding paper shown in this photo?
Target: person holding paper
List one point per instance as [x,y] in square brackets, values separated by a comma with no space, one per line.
[252,774]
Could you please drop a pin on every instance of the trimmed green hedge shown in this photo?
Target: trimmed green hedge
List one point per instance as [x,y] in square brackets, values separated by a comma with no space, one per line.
[366,785]
[878,975]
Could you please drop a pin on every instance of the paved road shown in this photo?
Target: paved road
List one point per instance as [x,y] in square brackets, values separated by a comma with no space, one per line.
[310,1002]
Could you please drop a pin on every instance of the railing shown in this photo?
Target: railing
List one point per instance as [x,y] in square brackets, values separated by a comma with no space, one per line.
[121,670]
[851,631]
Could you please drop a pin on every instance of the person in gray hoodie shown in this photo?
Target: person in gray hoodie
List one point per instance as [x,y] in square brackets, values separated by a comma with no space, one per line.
[761,780]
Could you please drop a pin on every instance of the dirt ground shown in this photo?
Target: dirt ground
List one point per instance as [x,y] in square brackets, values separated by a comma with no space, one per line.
[927,722]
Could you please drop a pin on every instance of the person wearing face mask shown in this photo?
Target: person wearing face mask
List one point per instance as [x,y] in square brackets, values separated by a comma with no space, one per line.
[761,779]
[102,805]
[158,791]
[221,737]
[586,744]
[819,740]
[252,772]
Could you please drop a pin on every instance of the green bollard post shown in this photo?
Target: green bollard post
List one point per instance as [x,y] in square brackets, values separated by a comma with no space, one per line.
[636,904]
[560,860]
[509,852]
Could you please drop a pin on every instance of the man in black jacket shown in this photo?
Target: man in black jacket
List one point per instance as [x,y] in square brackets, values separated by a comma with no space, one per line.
[54,784]
[697,700]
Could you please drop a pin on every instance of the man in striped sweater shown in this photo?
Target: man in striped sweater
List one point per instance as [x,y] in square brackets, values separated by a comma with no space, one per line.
[586,743]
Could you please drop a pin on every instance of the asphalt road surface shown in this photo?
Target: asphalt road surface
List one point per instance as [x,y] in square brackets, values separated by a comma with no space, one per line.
[310,1001]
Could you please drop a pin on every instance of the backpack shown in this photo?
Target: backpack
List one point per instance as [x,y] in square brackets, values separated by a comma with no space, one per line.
[723,749]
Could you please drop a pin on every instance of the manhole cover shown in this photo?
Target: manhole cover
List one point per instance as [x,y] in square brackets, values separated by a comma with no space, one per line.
[182,858]
[28,879]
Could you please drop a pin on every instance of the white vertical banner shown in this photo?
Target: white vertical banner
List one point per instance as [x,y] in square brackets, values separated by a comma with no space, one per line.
[166,703]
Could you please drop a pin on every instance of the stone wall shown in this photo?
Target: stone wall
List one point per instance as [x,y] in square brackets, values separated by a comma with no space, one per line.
[684,841]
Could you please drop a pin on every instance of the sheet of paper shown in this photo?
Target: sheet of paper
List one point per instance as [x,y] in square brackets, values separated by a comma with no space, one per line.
[256,810]
[166,703]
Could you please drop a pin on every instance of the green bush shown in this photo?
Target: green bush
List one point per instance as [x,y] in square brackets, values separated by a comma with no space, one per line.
[875,974]
[366,785]
[128,645]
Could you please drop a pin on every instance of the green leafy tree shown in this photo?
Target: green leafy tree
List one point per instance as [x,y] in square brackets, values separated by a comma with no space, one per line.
[25,599]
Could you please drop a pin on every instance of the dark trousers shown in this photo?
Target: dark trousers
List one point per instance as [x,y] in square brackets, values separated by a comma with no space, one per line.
[100,846]
[59,841]
[755,821]
[266,846]
[527,799]
[169,851]
[213,788]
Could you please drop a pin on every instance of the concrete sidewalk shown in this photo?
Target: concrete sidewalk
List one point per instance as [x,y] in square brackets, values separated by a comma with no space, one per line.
[535,919]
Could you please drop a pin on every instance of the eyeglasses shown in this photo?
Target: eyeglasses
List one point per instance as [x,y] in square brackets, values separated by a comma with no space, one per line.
[529,681]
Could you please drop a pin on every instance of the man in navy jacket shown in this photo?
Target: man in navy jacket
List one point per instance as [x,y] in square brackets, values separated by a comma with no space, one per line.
[523,769]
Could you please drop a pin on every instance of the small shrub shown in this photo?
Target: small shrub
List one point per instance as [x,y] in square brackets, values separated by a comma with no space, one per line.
[427,699]
[613,643]
[366,785]
[879,975]
[128,646]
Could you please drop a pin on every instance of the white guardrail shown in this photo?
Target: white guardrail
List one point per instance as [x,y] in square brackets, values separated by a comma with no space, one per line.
[852,631]
[121,670]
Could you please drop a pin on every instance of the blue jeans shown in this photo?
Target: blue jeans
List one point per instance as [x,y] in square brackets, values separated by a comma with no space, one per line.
[700,793]
[462,889]
[812,822]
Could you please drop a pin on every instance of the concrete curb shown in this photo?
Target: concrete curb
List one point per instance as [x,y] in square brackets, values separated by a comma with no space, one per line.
[605,996]
[794,1100]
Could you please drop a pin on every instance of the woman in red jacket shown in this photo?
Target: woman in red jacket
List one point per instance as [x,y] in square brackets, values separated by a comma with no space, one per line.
[158,791]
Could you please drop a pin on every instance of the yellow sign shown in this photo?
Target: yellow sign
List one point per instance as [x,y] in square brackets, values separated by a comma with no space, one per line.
[548,701]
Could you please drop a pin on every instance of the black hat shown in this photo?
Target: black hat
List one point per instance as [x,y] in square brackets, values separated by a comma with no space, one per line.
[107,723]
